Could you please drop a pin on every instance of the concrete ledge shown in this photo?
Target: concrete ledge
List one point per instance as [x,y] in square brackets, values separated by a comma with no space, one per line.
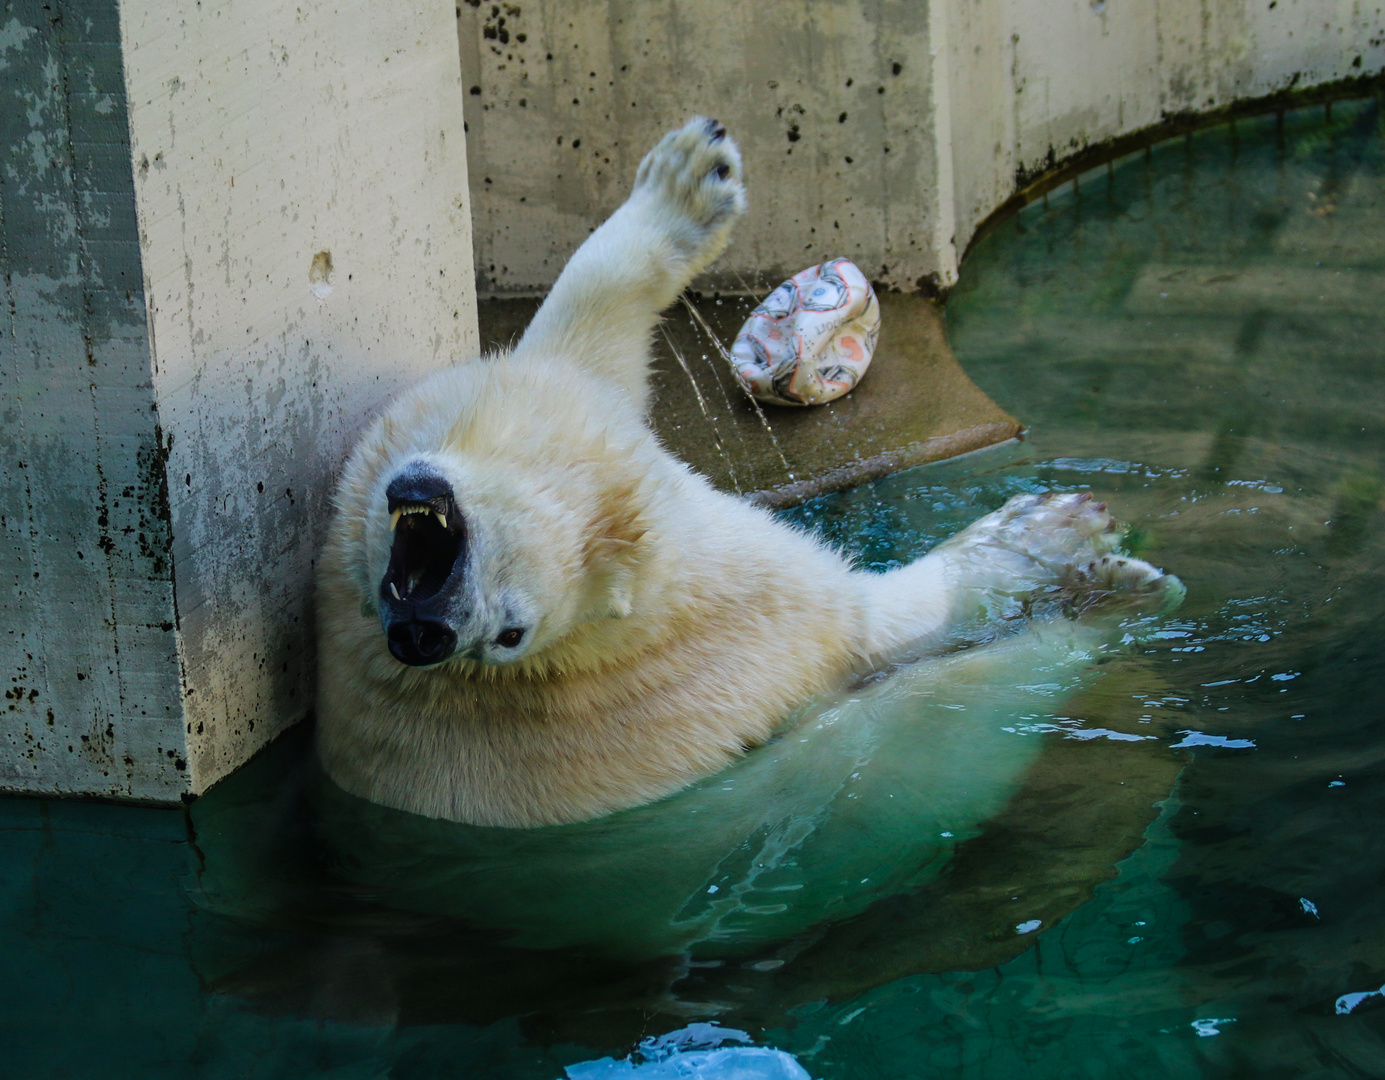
[914,406]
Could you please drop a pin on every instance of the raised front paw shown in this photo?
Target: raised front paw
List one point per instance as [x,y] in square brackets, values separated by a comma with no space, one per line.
[691,181]
[1060,548]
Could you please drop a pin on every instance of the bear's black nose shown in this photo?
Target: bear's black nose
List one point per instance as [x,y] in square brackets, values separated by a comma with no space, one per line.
[420,642]
[418,482]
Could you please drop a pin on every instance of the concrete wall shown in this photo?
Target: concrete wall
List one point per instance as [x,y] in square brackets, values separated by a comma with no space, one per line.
[1034,82]
[231,231]
[831,103]
[88,652]
[885,130]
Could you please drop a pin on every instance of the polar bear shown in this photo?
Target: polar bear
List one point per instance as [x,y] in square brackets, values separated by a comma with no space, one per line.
[530,613]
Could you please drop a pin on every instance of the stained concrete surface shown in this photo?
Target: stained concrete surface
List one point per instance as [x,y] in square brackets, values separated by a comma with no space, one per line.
[915,404]
[889,130]
[88,647]
[228,234]
[832,104]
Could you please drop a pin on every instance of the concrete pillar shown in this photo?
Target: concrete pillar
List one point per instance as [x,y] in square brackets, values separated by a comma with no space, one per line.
[883,130]
[230,231]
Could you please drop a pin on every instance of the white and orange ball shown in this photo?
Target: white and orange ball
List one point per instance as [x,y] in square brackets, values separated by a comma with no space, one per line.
[811,339]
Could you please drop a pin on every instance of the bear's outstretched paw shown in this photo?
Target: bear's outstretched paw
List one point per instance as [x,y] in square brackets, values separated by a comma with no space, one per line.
[1114,581]
[693,179]
[1042,536]
[1058,547]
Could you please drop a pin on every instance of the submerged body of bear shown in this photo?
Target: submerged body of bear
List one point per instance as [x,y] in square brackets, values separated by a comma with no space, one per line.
[530,613]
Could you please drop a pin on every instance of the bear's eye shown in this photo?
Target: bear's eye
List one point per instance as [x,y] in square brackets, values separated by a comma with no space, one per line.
[511,637]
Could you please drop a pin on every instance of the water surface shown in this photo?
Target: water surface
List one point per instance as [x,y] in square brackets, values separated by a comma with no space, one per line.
[1179,870]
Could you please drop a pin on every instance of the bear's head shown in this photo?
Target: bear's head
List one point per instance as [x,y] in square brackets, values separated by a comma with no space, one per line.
[494,517]
[486,563]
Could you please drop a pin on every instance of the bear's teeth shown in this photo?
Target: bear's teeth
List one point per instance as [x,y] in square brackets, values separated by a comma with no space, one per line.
[395,592]
[442,519]
[413,508]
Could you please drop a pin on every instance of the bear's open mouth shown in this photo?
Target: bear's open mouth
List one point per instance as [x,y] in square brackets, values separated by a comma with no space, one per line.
[428,539]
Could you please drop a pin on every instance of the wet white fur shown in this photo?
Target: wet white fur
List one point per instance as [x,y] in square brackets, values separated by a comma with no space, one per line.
[671,626]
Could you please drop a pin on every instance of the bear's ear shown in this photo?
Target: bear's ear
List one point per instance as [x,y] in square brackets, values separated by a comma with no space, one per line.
[618,523]
[619,589]
[612,547]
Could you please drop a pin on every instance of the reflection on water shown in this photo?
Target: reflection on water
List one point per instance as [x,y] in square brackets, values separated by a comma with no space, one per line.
[1179,870]
[700,1051]
[750,857]
[858,833]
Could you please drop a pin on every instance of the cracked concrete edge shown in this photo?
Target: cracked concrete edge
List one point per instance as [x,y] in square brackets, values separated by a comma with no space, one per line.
[926,452]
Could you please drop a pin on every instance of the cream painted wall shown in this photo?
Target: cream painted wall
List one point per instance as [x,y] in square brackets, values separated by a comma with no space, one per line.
[985,90]
[300,173]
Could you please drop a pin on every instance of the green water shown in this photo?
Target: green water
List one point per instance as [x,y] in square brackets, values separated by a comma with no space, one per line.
[1195,336]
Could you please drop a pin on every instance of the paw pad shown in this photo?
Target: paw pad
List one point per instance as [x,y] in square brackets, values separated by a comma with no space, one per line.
[691,182]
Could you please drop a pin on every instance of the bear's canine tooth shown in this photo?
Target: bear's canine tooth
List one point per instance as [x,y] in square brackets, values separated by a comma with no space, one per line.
[394,518]
[395,592]
[442,519]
